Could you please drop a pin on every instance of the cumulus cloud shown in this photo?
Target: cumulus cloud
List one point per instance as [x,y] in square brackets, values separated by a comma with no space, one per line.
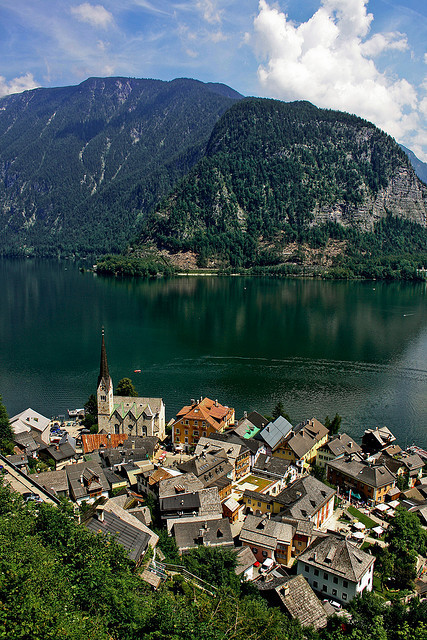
[17,85]
[94,14]
[328,60]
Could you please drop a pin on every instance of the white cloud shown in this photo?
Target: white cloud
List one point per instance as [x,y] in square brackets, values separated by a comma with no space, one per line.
[94,14]
[328,60]
[17,85]
[210,11]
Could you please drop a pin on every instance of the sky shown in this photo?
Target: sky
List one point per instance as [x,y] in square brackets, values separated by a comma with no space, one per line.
[367,57]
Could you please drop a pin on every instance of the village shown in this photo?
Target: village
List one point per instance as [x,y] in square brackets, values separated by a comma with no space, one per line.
[305,508]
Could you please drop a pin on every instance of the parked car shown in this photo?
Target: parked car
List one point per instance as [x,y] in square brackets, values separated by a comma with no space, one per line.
[31,497]
[266,565]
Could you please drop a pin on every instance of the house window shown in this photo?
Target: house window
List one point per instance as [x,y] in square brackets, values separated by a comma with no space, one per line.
[259,504]
[345,583]
[264,554]
[307,568]
[204,434]
[344,596]
[186,432]
[254,550]
[186,422]
[186,440]
[196,423]
[315,584]
[325,588]
[176,430]
[326,576]
[316,572]
[335,580]
[196,433]
[334,592]
[103,398]
[269,506]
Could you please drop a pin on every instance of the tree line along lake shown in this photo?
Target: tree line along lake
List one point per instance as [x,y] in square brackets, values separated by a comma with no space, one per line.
[321,347]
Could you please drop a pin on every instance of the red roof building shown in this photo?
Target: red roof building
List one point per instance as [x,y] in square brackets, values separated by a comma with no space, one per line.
[201,418]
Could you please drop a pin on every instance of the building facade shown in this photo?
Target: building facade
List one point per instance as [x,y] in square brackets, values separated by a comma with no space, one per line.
[126,415]
[201,418]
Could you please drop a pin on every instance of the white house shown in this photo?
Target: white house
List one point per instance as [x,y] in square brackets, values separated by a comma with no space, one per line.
[336,568]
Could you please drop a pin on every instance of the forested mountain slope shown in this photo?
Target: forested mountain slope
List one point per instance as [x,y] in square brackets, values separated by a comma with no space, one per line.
[79,165]
[275,172]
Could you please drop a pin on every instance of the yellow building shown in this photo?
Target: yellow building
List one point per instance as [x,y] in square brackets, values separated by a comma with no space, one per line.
[300,445]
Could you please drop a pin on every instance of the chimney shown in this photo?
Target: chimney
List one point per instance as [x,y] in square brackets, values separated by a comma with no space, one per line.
[285,589]
[109,436]
[201,533]
[193,401]
[100,513]
[216,402]
[81,478]
[245,414]
[133,444]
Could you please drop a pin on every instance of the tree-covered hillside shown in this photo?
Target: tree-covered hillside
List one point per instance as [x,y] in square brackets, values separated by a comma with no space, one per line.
[80,165]
[276,173]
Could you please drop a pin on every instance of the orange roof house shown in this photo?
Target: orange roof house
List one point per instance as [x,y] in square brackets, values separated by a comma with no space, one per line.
[94,441]
[201,418]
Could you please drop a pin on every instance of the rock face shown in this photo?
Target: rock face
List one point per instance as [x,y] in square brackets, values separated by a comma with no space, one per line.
[405,197]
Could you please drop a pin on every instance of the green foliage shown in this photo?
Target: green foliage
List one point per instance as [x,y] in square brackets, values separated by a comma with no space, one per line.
[214,565]
[334,424]
[133,266]
[267,168]
[125,388]
[279,410]
[90,421]
[6,435]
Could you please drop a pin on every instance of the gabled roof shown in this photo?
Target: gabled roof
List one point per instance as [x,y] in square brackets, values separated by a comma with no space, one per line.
[271,465]
[138,407]
[245,560]
[210,533]
[94,441]
[355,467]
[207,410]
[342,443]
[25,439]
[184,483]
[265,532]
[53,481]
[304,497]
[337,556]
[305,436]
[87,470]
[276,431]
[132,539]
[180,502]
[300,601]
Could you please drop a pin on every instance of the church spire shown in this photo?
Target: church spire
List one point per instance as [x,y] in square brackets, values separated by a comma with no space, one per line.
[103,369]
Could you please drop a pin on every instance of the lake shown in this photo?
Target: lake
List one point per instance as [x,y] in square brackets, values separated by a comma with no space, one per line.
[356,348]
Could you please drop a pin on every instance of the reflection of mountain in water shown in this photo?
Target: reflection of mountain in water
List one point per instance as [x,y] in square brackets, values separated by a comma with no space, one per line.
[358,348]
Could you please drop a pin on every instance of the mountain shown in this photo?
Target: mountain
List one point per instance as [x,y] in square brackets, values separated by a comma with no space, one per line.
[79,166]
[276,173]
[419,166]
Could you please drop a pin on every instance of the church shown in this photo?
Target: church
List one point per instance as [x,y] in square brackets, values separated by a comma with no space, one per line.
[120,414]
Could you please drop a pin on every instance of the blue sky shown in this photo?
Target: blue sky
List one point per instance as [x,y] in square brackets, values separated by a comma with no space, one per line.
[365,57]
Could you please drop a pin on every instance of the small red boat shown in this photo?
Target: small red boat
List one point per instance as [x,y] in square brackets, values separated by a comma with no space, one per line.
[137,370]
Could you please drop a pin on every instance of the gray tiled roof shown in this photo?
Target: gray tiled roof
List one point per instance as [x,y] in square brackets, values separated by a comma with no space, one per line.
[265,532]
[275,431]
[374,475]
[132,539]
[304,497]
[186,481]
[342,443]
[271,464]
[209,533]
[336,555]
[53,480]
[245,559]
[180,502]
[74,471]
[305,436]
[300,601]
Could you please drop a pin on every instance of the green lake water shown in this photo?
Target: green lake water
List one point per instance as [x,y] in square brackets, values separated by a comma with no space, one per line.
[356,348]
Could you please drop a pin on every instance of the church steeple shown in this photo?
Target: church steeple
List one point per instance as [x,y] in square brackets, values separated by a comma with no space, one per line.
[104,394]
[103,368]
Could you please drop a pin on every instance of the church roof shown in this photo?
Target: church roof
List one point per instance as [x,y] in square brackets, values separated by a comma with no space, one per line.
[103,367]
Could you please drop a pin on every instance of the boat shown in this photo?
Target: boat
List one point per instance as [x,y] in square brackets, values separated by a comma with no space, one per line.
[76,413]
[137,370]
